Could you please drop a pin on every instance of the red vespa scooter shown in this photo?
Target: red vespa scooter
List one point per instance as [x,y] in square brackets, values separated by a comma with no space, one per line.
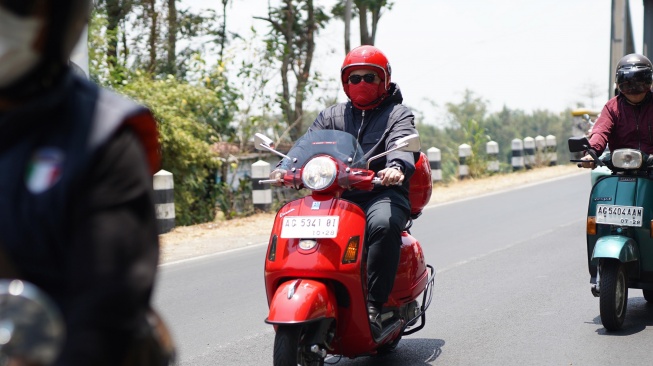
[315,269]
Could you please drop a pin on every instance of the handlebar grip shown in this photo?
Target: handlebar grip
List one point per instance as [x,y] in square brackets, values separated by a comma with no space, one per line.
[377,181]
[597,161]
[269,181]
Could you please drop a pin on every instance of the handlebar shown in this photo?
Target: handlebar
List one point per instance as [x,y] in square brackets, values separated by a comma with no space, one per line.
[377,181]
[269,181]
[595,160]
[358,179]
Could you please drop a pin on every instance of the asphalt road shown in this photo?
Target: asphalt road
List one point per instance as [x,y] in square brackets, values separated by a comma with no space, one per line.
[512,288]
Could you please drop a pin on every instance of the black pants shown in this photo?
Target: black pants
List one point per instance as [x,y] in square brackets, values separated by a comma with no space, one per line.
[387,214]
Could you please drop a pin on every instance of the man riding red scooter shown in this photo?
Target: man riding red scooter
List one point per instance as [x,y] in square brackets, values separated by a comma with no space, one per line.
[342,273]
[316,264]
[376,117]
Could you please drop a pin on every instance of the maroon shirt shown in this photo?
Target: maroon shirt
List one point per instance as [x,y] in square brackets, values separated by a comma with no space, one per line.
[623,125]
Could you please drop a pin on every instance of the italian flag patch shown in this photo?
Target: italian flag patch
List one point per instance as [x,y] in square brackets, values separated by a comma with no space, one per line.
[44,169]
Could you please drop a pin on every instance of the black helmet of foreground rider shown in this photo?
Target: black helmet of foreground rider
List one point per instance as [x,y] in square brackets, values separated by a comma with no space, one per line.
[38,37]
[76,212]
[375,116]
[626,119]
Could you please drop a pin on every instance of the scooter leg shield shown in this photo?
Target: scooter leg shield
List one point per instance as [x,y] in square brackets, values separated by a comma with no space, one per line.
[301,300]
[617,247]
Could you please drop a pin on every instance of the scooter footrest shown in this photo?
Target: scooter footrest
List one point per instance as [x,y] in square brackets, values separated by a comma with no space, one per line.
[387,330]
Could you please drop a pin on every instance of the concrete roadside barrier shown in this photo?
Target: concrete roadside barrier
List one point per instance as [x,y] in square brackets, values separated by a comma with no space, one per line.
[517,147]
[529,152]
[551,150]
[164,200]
[492,150]
[261,193]
[464,152]
[435,161]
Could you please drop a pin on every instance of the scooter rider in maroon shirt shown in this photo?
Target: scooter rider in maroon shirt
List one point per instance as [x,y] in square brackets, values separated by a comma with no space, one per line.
[627,119]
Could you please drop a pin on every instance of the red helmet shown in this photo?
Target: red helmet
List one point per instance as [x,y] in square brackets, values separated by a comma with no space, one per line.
[364,57]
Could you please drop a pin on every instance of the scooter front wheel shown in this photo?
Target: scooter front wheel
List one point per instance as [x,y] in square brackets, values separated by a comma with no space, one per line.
[614,294]
[290,350]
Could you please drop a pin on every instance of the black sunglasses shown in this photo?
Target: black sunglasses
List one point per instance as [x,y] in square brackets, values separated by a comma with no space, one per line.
[355,79]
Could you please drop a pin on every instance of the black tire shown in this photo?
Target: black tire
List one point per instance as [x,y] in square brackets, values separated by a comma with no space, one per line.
[289,350]
[648,295]
[614,294]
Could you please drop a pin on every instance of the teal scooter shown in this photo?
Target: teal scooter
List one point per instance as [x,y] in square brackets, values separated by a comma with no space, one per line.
[619,229]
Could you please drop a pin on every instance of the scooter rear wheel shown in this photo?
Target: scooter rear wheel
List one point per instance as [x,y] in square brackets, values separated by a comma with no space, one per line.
[614,294]
[289,349]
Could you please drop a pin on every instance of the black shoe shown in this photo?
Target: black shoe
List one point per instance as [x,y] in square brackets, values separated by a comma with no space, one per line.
[375,320]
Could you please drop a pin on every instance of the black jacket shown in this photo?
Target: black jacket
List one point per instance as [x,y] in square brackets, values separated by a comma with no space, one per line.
[76,213]
[376,131]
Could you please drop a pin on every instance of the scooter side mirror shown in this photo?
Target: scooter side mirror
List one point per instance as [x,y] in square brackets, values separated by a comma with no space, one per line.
[578,144]
[262,142]
[409,143]
[31,326]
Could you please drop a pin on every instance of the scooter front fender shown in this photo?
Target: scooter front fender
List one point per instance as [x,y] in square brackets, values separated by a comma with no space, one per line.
[300,301]
[617,247]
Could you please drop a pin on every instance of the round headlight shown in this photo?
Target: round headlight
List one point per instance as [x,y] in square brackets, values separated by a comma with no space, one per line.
[627,158]
[319,173]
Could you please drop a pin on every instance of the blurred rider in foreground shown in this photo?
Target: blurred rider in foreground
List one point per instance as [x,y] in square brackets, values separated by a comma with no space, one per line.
[375,116]
[626,119]
[76,162]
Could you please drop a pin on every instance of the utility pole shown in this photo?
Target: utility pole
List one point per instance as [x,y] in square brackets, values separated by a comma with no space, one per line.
[648,29]
[621,38]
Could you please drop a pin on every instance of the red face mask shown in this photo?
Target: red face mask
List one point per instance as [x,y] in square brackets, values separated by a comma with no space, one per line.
[366,96]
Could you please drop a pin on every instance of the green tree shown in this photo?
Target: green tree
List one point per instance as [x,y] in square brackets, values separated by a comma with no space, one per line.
[105,67]
[466,126]
[145,34]
[369,13]
[475,136]
[115,12]
[185,116]
[193,113]
[472,107]
[293,27]
[256,112]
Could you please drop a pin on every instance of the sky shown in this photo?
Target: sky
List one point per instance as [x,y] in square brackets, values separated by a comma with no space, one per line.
[527,55]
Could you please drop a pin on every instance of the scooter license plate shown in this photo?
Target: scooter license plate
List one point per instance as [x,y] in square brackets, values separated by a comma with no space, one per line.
[309,227]
[619,215]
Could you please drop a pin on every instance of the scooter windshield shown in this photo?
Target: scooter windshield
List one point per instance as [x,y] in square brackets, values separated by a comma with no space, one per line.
[339,144]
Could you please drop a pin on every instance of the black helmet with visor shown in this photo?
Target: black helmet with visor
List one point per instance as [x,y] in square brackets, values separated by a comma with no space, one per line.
[36,39]
[634,74]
